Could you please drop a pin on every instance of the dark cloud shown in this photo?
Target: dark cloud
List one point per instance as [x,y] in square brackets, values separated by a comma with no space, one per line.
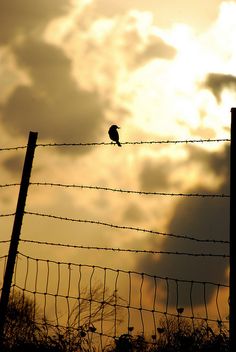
[14,164]
[217,82]
[134,213]
[155,175]
[201,218]
[24,17]
[216,162]
[53,104]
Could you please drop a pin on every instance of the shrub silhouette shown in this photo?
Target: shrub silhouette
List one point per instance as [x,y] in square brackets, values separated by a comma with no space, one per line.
[26,330]
[176,334]
[20,325]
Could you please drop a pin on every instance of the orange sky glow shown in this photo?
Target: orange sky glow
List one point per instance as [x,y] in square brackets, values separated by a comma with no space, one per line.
[161,71]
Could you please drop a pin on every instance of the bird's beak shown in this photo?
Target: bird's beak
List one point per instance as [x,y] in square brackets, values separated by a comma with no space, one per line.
[118,127]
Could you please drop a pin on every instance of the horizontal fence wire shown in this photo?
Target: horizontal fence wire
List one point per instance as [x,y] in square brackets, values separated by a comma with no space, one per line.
[12,148]
[217,140]
[7,215]
[93,305]
[6,185]
[128,250]
[70,298]
[119,190]
[132,272]
[121,227]
[209,140]
[3,256]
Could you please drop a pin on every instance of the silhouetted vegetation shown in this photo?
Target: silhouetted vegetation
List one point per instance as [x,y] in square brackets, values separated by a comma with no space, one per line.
[176,334]
[26,331]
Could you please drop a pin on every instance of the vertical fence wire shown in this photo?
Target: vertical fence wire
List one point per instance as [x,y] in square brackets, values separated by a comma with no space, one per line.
[97,312]
[69,305]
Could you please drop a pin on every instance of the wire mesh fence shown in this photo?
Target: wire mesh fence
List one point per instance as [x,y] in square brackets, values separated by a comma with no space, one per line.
[94,305]
[104,303]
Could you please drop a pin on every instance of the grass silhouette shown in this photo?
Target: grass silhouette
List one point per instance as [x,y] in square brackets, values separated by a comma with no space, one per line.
[26,330]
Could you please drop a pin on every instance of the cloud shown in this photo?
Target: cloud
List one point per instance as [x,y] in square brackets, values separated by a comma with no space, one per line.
[114,46]
[195,13]
[217,82]
[134,213]
[140,48]
[155,48]
[201,218]
[14,164]
[155,175]
[25,17]
[53,104]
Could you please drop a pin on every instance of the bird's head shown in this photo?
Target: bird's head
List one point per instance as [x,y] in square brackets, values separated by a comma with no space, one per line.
[115,126]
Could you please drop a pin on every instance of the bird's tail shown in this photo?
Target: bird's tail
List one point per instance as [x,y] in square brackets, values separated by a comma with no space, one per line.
[118,143]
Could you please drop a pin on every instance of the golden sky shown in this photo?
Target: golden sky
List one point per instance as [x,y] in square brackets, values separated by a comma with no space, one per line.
[158,69]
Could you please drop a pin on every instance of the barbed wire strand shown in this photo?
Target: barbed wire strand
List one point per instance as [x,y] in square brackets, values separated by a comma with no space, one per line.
[122,227]
[209,140]
[217,140]
[13,148]
[119,190]
[9,185]
[144,251]
[7,215]
[203,195]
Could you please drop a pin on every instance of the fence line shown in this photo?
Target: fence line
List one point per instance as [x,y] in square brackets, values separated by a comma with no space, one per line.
[209,140]
[111,249]
[202,195]
[7,215]
[121,227]
[119,190]
[217,140]
[70,298]
[13,148]
[130,272]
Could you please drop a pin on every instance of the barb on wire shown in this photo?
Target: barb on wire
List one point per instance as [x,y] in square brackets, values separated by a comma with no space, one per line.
[122,227]
[143,251]
[203,195]
[217,140]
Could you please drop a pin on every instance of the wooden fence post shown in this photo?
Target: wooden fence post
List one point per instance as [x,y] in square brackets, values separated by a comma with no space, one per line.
[16,231]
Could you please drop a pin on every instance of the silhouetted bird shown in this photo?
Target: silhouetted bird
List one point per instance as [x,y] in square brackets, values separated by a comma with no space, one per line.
[114,135]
